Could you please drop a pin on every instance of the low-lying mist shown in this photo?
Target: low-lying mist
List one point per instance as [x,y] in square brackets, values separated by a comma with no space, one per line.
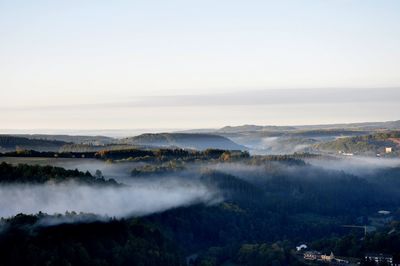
[276,145]
[355,165]
[151,194]
[318,167]
[142,197]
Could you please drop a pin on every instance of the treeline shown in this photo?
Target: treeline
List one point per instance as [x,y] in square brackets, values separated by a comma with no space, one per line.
[163,155]
[155,155]
[170,154]
[24,240]
[169,164]
[290,159]
[169,167]
[24,173]
[48,154]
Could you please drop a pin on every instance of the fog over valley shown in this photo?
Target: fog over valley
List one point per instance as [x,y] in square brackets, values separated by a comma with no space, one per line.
[200,133]
[138,199]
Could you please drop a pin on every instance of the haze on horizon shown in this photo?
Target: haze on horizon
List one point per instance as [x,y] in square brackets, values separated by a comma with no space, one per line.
[178,64]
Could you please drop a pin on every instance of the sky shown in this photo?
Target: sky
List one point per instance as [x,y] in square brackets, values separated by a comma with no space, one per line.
[84,65]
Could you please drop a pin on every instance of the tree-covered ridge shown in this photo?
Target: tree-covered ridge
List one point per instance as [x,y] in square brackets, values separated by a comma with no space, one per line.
[64,143]
[28,240]
[24,173]
[116,242]
[47,154]
[300,205]
[170,165]
[135,154]
[164,155]
[14,143]
[369,144]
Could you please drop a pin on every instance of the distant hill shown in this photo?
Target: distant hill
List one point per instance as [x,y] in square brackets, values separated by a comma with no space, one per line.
[183,140]
[76,139]
[95,148]
[365,145]
[250,128]
[12,143]
[390,125]
[302,138]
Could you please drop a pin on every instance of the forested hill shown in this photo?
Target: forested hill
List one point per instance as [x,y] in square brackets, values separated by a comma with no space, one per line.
[252,128]
[11,143]
[32,174]
[365,145]
[25,241]
[184,140]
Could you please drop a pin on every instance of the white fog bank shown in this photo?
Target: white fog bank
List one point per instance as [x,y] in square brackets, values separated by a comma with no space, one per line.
[137,200]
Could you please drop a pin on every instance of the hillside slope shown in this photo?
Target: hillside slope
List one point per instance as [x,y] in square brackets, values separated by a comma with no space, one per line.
[12,143]
[366,145]
[183,140]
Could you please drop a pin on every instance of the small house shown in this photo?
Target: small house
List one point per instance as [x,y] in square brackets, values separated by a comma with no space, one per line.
[312,255]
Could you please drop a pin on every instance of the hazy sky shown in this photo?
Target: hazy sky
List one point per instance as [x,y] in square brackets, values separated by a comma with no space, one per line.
[140,64]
